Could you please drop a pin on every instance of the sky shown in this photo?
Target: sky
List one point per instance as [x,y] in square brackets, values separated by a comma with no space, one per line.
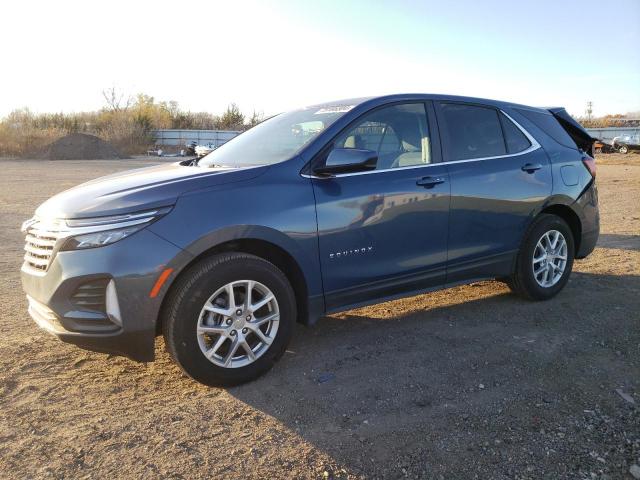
[58,56]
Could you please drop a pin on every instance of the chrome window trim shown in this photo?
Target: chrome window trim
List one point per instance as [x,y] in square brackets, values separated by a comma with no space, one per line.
[534,146]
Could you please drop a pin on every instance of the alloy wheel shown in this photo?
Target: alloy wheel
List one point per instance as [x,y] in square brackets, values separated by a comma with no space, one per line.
[238,323]
[549,258]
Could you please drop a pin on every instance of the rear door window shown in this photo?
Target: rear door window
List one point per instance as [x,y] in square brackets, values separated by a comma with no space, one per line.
[471,131]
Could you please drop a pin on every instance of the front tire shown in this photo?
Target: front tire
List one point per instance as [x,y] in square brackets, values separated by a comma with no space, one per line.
[229,318]
[545,259]
[624,149]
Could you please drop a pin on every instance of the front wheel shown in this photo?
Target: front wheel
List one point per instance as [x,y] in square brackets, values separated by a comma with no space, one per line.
[229,319]
[623,149]
[545,259]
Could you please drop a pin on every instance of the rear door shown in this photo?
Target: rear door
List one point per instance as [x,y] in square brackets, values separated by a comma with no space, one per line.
[383,232]
[499,177]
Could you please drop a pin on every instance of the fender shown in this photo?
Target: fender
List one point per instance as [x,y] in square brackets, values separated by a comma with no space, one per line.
[277,207]
[306,264]
[309,311]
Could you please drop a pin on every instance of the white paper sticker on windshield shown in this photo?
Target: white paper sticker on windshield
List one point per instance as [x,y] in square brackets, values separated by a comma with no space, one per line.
[335,109]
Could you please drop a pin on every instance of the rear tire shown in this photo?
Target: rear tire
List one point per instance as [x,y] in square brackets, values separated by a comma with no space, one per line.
[623,149]
[202,326]
[542,266]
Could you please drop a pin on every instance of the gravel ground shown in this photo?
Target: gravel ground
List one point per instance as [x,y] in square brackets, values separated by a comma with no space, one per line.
[470,382]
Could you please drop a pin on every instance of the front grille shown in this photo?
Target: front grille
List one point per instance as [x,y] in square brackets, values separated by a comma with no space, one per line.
[40,244]
[91,296]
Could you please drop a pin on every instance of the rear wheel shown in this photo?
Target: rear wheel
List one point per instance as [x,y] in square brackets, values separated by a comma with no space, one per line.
[623,149]
[545,259]
[229,319]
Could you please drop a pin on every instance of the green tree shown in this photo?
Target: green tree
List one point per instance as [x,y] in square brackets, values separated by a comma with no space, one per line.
[231,119]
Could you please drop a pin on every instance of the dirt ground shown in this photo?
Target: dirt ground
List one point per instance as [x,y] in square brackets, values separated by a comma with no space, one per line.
[470,382]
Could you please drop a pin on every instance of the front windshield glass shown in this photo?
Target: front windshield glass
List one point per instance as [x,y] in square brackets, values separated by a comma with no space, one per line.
[275,139]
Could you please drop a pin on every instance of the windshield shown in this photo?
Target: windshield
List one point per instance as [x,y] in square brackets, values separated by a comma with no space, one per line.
[276,139]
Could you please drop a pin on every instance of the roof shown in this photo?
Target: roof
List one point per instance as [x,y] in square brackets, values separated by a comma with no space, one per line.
[417,96]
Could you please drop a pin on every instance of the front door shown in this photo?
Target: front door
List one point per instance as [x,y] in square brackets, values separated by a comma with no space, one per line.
[383,232]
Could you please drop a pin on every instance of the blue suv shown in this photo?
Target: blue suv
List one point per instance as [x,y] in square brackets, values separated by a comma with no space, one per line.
[311,212]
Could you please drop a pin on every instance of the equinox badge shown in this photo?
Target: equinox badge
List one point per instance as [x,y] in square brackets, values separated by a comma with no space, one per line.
[353,251]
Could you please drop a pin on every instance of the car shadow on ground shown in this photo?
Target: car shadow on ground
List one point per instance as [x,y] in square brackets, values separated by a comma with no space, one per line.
[438,381]
[623,242]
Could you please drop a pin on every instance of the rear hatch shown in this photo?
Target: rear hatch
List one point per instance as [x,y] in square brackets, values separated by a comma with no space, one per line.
[578,134]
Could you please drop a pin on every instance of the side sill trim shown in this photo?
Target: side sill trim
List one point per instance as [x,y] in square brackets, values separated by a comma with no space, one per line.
[411,293]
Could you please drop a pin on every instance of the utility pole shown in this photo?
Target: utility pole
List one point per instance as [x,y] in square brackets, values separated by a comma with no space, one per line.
[589,110]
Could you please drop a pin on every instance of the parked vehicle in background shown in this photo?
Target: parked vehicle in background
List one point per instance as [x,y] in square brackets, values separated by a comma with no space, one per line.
[625,143]
[312,212]
[205,149]
[191,147]
[602,147]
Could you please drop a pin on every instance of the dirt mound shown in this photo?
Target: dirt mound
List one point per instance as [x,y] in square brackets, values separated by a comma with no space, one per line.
[80,146]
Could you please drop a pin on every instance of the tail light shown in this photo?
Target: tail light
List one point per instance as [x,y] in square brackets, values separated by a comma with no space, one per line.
[590,164]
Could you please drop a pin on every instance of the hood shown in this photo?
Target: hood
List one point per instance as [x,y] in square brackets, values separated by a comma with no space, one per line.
[140,189]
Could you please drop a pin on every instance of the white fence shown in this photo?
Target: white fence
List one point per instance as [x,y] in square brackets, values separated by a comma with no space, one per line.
[607,134]
[218,137]
[182,137]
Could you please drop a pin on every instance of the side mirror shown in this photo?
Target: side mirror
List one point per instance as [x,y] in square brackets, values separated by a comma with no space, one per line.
[347,160]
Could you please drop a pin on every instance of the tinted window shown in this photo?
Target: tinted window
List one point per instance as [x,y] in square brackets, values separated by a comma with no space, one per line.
[549,125]
[471,131]
[516,140]
[398,134]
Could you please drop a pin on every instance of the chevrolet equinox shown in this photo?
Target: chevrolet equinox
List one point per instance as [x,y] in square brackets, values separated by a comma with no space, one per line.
[313,211]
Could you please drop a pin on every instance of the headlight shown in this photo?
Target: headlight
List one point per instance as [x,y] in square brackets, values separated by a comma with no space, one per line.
[99,239]
[100,231]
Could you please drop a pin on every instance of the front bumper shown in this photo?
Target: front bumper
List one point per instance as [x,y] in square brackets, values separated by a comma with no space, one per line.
[131,267]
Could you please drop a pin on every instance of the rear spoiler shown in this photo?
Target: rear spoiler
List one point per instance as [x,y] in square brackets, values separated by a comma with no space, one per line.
[583,140]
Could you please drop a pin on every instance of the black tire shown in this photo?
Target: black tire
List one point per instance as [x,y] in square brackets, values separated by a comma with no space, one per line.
[523,282]
[192,290]
[624,149]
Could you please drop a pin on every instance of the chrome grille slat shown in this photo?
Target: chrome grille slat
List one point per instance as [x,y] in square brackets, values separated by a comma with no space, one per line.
[40,243]
[37,251]
[38,261]
[49,242]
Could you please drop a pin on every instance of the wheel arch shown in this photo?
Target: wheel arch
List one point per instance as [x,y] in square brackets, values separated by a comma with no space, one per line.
[264,249]
[568,215]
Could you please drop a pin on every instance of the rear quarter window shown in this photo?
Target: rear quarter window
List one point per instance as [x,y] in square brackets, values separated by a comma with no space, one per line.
[549,125]
[514,138]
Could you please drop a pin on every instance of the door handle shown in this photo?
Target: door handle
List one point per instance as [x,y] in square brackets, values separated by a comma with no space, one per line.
[531,167]
[430,182]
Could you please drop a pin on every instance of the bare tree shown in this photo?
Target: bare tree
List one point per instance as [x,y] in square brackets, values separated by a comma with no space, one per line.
[114,99]
[256,118]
